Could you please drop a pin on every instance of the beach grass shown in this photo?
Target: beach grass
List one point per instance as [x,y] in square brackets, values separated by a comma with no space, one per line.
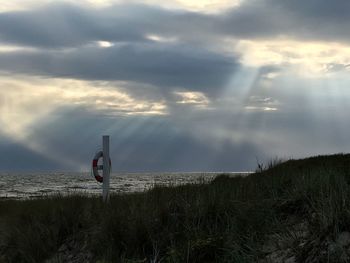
[293,210]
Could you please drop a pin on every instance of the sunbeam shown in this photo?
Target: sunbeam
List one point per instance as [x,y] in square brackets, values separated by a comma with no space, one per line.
[45,98]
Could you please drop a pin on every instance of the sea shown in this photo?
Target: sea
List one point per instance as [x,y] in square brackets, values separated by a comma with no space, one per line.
[37,185]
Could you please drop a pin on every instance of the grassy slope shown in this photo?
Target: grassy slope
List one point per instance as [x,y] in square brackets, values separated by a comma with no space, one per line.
[300,204]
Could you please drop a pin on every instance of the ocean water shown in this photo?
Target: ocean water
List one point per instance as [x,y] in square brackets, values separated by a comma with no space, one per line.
[33,185]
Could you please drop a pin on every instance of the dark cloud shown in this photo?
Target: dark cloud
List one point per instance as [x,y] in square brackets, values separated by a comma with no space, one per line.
[64,25]
[161,65]
[337,10]
[313,20]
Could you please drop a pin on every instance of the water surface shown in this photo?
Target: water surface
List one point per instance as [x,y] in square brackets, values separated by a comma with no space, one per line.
[29,185]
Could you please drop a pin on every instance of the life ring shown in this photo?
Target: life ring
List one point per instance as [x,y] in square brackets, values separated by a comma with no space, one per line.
[96,167]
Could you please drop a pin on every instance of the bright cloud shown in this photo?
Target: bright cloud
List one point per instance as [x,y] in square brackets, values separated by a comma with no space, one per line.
[196,98]
[158,38]
[311,58]
[208,6]
[255,108]
[13,48]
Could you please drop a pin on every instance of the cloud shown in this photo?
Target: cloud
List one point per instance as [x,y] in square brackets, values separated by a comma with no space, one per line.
[67,25]
[140,38]
[63,25]
[310,59]
[308,20]
[29,99]
[196,98]
[206,6]
[257,103]
[161,65]
[176,89]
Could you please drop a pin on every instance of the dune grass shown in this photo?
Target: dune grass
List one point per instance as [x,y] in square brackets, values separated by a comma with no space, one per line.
[226,220]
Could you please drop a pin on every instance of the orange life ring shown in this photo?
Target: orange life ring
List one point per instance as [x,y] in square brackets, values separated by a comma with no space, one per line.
[96,167]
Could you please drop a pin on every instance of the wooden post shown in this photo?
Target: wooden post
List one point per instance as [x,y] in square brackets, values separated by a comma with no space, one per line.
[106,168]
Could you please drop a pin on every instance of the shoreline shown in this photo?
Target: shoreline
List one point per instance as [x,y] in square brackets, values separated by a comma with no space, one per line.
[121,183]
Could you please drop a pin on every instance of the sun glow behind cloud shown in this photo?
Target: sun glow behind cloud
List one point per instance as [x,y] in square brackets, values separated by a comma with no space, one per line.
[105,44]
[194,98]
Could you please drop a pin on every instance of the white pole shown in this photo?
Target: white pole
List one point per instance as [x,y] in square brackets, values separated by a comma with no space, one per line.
[106,168]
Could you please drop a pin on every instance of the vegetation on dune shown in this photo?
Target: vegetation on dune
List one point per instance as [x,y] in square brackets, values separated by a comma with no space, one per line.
[295,211]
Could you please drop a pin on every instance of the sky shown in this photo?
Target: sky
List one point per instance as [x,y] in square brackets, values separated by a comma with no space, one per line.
[180,86]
